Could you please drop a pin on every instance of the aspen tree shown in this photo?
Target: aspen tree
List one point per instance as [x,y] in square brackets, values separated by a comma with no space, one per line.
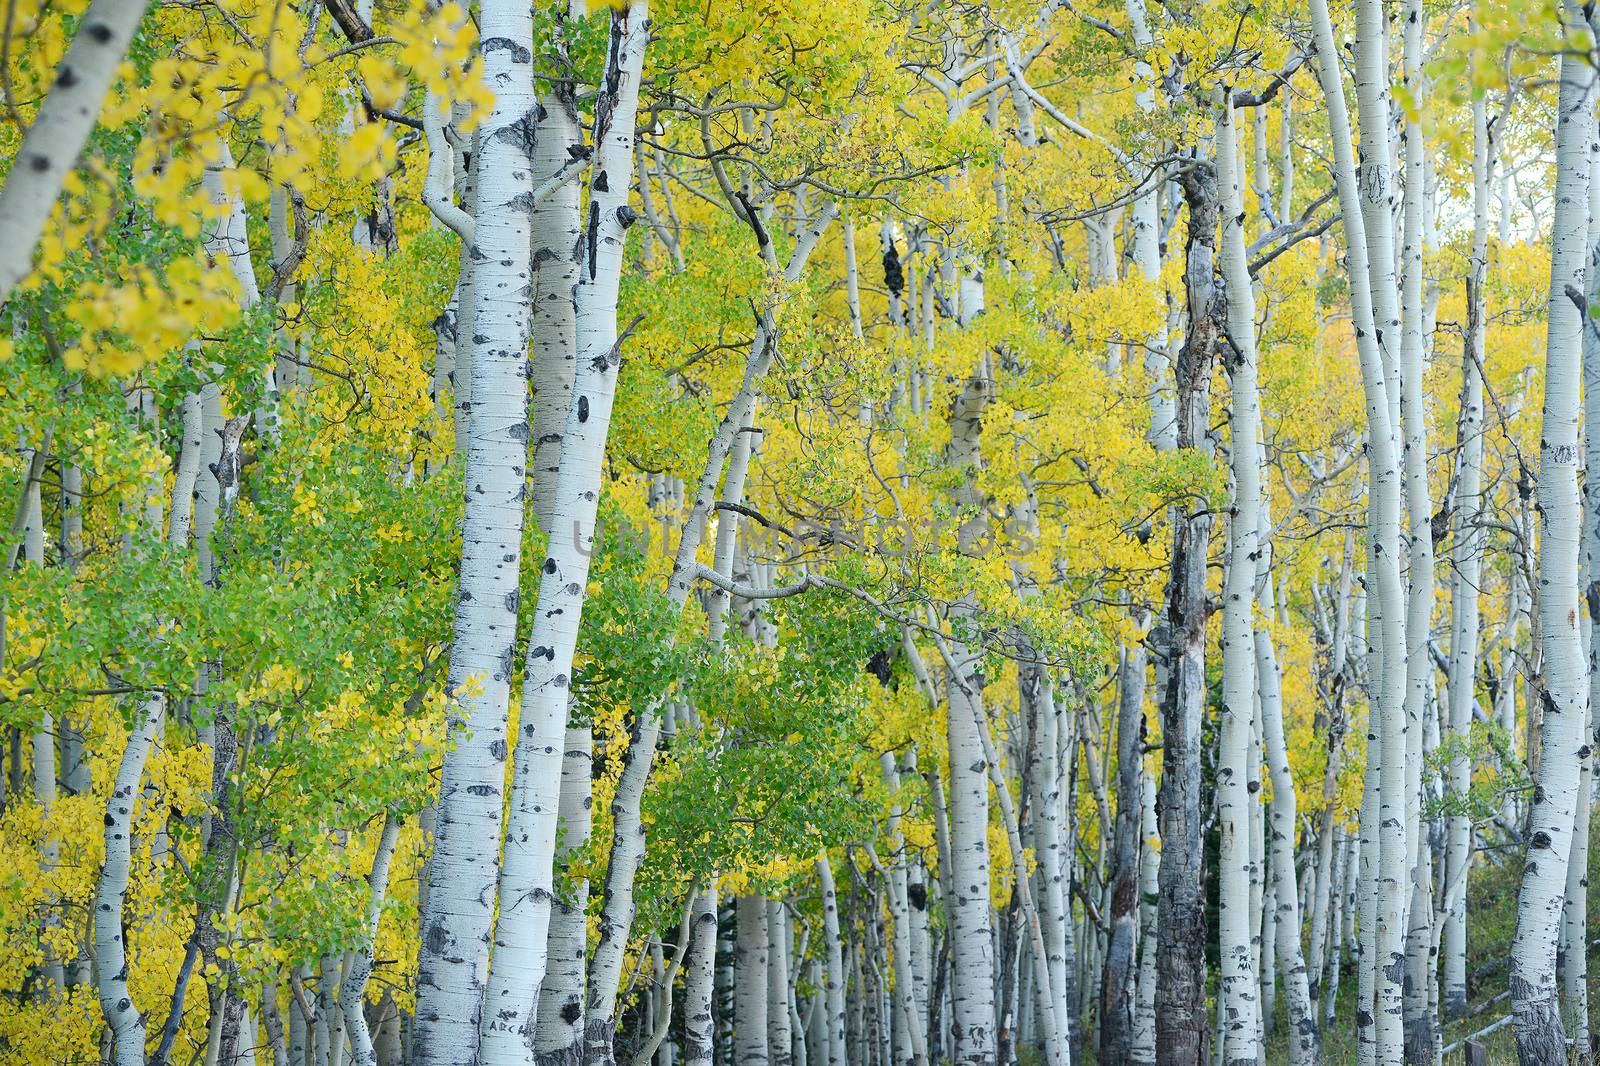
[50,148]
[527,870]
[1117,993]
[1373,300]
[1181,1024]
[1240,1003]
[454,957]
[1467,554]
[358,965]
[1421,969]
[1563,690]
[1304,1046]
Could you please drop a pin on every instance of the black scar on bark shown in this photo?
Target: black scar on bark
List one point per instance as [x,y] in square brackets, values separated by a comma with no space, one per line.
[594,233]
[100,33]
[519,54]
[894,278]
[879,666]
[583,409]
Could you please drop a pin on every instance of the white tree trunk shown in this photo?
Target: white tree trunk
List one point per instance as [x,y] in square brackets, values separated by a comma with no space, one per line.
[909,1017]
[1367,205]
[1143,1045]
[559,1040]
[699,1007]
[750,981]
[1575,916]
[1419,607]
[780,1034]
[1467,549]
[557,235]
[122,1017]
[459,911]
[188,469]
[1303,1044]
[833,970]
[1563,741]
[358,962]
[1239,1005]
[527,869]
[63,123]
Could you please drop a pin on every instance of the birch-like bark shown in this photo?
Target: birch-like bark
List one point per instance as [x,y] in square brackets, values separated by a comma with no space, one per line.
[852,279]
[1574,953]
[699,1024]
[1367,863]
[459,909]
[51,146]
[559,1039]
[1119,977]
[1239,988]
[187,470]
[124,1022]
[699,1009]
[1366,203]
[1142,1046]
[909,1018]
[1564,692]
[973,1016]
[1304,1047]
[1576,919]
[1042,779]
[833,969]
[1344,924]
[780,1035]
[1328,886]
[1055,1035]
[122,1017]
[1466,554]
[557,236]
[750,981]
[358,962]
[44,740]
[466,295]
[1420,974]
[527,869]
